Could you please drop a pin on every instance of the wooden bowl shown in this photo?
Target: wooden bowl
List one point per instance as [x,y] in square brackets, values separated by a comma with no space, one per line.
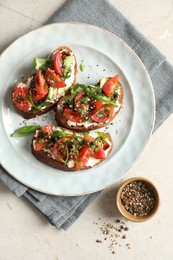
[135,217]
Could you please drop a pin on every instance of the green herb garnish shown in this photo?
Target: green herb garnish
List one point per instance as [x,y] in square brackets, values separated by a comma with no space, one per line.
[102,135]
[101,114]
[25,130]
[43,64]
[94,92]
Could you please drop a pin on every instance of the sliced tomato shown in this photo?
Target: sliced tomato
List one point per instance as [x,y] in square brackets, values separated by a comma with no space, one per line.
[47,129]
[20,98]
[81,105]
[59,151]
[58,63]
[73,116]
[99,153]
[78,98]
[110,85]
[84,155]
[64,139]
[103,114]
[95,105]
[41,86]
[40,144]
[36,96]
[53,79]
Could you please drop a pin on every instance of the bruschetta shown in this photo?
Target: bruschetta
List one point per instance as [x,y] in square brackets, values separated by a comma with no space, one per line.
[40,92]
[68,150]
[85,108]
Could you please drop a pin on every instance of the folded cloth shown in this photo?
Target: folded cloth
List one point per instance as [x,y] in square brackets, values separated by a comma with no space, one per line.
[63,211]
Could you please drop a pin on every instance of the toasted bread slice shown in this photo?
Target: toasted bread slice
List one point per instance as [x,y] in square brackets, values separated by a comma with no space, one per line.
[85,108]
[40,92]
[68,150]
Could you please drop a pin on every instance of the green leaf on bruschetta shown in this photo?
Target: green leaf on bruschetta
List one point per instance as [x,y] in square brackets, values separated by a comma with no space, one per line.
[43,64]
[25,131]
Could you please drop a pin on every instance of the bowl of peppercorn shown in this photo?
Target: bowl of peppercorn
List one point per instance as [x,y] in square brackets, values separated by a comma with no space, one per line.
[137,199]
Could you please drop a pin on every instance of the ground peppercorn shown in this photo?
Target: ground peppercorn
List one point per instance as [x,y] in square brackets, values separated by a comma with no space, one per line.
[138,198]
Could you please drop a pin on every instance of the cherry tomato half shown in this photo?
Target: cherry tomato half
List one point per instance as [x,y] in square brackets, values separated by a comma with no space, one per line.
[40,84]
[99,153]
[53,79]
[20,98]
[36,96]
[47,129]
[58,151]
[58,63]
[103,114]
[73,116]
[110,85]
[95,105]
[83,157]
[40,144]
[78,102]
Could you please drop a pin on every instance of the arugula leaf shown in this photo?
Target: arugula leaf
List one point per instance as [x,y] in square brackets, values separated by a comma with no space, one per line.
[102,135]
[25,130]
[59,134]
[94,147]
[43,64]
[94,92]
[39,107]
[84,100]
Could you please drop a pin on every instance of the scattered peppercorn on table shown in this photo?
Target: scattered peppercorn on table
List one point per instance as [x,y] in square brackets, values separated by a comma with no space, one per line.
[100,233]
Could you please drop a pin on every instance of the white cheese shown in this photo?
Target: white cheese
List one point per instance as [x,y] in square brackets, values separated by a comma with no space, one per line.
[29,81]
[93,134]
[60,92]
[91,162]
[86,123]
[70,164]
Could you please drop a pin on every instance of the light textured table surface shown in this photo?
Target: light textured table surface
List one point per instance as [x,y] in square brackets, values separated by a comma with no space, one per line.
[26,234]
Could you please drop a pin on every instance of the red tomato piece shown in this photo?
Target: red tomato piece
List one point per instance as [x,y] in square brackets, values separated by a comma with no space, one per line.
[110,85]
[40,144]
[73,116]
[53,79]
[81,104]
[36,96]
[78,98]
[103,114]
[58,151]
[99,153]
[20,98]
[95,105]
[84,155]
[40,84]
[57,58]
[47,129]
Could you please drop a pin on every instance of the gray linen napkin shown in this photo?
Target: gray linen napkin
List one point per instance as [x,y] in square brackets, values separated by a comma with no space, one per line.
[63,211]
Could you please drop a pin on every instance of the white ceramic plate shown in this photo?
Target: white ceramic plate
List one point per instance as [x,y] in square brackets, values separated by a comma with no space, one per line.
[104,55]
